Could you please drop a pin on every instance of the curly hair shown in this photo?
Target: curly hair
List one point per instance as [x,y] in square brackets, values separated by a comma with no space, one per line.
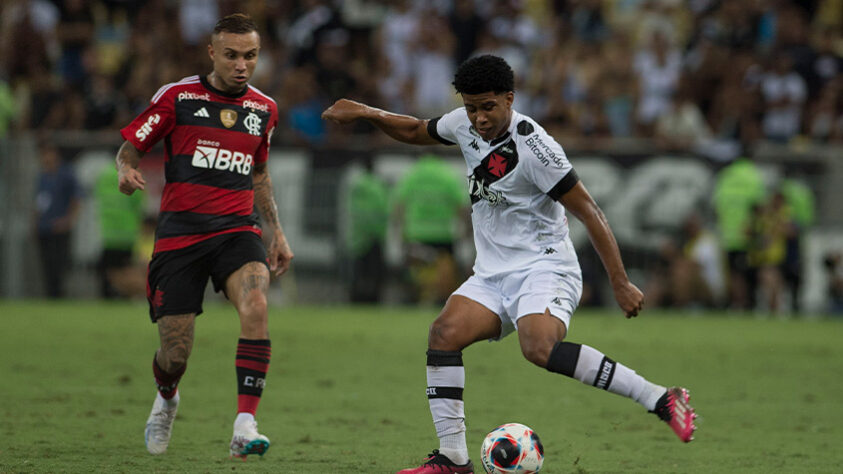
[236,23]
[484,73]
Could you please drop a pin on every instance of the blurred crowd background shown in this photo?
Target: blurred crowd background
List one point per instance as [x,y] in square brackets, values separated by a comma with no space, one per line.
[731,112]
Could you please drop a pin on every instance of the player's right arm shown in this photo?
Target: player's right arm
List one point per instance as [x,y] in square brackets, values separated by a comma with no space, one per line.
[129,178]
[403,128]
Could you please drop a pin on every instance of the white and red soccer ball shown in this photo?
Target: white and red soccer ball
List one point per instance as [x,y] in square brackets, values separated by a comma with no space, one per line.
[512,449]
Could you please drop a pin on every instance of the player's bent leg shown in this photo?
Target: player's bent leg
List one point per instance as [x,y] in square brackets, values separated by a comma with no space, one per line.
[462,322]
[538,334]
[592,367]
[246,289]
[168,365]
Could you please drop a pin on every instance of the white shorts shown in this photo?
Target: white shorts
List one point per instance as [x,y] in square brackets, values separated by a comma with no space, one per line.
[514,295]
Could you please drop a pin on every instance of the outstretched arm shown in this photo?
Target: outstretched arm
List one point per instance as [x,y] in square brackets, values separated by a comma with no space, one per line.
[128,177]
[583,207]
[403,128]
[279,251]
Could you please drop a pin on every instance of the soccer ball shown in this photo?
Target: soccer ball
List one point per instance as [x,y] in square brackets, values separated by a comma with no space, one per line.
[512,448]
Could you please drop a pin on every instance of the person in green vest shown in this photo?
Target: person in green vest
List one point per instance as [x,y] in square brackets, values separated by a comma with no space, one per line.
[368,207]
[120,219]
[738,187]
[428,203]
[800,200]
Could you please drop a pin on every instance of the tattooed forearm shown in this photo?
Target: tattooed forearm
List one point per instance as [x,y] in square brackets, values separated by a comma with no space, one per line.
[128,155]
[176,333]
[264,199]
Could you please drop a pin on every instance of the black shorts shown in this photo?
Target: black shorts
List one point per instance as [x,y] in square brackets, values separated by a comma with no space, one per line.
[177,279]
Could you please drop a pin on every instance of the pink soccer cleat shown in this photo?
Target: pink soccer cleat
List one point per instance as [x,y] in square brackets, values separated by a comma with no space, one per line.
[437,463]
[674,409]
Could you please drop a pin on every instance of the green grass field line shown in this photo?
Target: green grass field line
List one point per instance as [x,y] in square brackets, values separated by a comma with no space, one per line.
[346,386]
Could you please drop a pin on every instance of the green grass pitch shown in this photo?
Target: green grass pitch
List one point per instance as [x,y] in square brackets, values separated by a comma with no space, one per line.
[346,392]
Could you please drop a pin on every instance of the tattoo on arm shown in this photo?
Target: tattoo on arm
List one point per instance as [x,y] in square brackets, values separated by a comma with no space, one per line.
[128,155]
[264,199]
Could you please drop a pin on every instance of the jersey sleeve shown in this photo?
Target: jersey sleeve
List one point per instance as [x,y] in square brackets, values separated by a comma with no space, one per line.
[444,128]
[154,123]
[547,166]
[263,150]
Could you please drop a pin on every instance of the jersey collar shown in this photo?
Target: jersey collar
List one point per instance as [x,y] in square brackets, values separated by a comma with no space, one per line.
[204,80]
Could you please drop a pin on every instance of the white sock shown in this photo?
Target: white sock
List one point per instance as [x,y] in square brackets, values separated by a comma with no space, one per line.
[171,402]
[243,417]
[445,383]
[592,367]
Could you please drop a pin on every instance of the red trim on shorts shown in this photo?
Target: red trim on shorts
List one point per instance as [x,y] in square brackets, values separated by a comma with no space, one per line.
[175,243]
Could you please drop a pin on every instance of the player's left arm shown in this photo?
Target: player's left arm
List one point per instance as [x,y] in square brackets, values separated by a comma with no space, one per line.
[583,207]
[279,250]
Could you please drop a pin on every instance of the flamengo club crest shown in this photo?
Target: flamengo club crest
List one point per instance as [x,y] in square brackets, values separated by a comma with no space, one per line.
[228,117]
[253,124]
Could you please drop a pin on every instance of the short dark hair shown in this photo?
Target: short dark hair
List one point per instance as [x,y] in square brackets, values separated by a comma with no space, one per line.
[484,73]
[237,23]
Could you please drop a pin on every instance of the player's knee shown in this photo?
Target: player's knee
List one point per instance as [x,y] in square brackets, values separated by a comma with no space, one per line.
[254,306]
[175,357]
[537,352]
[443,336]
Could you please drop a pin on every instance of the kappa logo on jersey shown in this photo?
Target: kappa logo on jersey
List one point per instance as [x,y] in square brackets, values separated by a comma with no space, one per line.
[253,124]
[254,105]
[202,113]
[228,117]
[474,145]
[193,96]
[212,157]
[146,128]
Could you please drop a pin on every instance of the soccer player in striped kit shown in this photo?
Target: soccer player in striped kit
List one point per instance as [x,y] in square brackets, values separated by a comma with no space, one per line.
[216,130]
[526,274]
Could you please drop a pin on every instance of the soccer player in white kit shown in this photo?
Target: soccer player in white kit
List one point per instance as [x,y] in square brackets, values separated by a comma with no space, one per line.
[526,274]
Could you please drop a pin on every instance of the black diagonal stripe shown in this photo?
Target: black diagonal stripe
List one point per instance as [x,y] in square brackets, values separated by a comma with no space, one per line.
[605,373]
[431,130]
[564,185]
[175,224]
[453,393]
[444,358]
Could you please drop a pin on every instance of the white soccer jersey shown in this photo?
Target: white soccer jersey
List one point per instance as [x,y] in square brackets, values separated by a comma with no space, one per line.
[514,182]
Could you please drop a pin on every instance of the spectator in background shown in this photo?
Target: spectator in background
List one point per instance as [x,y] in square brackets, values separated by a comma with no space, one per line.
[368,210]
[834,272]
[57,203]
[658,67]
[428,203]
[738,187]
[432,65]
[769,227]
[682,126]
[304,106]
[784,94]
[120,219]
[800,200]
[75,31]
[466,25]
[703,249]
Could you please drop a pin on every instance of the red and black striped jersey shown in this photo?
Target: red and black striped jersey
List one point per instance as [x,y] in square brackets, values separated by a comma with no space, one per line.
[212,141]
